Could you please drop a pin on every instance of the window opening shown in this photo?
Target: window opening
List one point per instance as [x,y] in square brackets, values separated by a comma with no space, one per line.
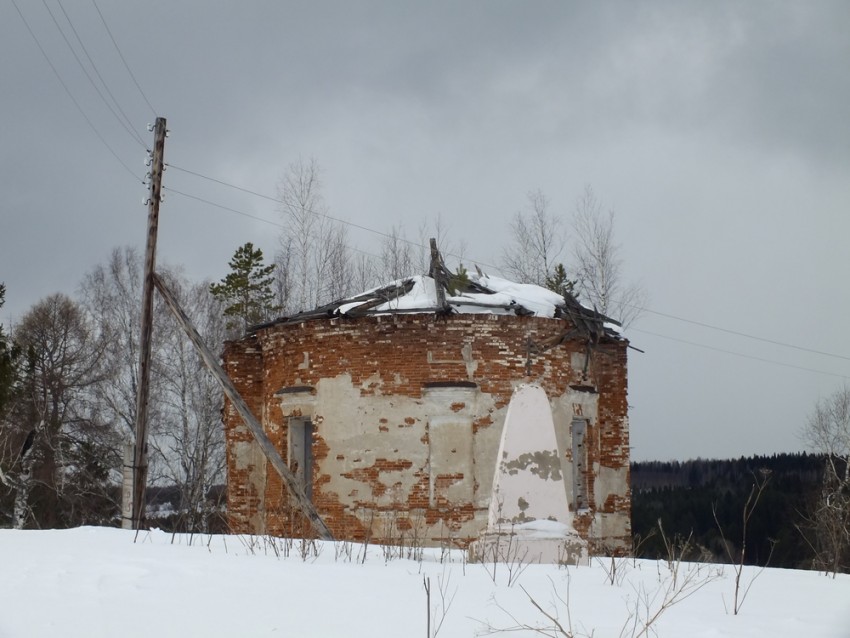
[578,432]
[301,452]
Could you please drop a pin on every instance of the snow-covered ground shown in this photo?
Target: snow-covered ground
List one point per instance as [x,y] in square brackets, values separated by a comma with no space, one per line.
[97,582]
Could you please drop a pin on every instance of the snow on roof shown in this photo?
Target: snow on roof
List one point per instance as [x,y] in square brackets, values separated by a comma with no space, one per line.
[491,295]
[542,302]
[476,293]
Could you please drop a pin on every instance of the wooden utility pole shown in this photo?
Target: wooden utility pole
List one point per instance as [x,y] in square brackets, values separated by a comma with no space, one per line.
[140,455]
[293,485]
[152,280]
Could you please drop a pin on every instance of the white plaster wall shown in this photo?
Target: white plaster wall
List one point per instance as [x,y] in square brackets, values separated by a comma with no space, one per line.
[528,482]
[351,426]
[426,437]
[610,481]
[450,412]
[248,456]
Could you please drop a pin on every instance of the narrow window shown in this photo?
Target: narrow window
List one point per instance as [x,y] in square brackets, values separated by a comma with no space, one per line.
[450,405]
[578,432]
[450,460]
[301,452]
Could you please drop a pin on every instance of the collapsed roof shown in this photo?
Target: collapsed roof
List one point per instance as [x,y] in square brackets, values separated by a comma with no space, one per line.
[462,293]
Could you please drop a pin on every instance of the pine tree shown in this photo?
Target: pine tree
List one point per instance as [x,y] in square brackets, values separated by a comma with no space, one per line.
[247,291]
[559,282]
[459,281]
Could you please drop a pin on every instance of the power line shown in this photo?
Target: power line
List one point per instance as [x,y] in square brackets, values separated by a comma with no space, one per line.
[738,354]
[744,334]
[249,215]
[71,95]
[121,55]
[283,226]
[221,206]
[129,130]
[521,299]
[223,183]
[496,268]
[100,77]
[277,200]
[341,221]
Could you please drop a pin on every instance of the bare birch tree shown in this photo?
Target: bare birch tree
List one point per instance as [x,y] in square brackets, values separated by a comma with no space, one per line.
[401,257]
[283,275]
[303,209]
[333,264]
[828,433]
[453,250]
[537,241]
[11,435]
[66,450]
[318,259]
[112,293]
[397,256]
[186,435]
[75,402]
[364,272]
[598,264]
[188,440]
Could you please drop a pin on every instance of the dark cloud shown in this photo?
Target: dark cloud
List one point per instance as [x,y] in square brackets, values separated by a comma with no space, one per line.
[716,130]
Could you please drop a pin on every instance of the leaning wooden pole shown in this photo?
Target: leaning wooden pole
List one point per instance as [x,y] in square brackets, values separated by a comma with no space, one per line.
[293,485]
[140,454]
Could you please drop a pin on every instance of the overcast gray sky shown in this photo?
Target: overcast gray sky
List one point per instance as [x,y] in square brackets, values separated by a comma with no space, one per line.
[719,133]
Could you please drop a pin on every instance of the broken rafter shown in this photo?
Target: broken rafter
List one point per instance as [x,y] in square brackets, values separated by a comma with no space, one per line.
[586,323]
[439,273]
[367,300]
[539,347]
[516,308]
[377,298]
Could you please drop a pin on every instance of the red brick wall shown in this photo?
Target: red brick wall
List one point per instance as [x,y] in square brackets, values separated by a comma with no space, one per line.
[244,365]
[397,355]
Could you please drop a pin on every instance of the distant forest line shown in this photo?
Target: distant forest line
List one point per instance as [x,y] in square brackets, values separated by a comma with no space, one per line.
[685,495]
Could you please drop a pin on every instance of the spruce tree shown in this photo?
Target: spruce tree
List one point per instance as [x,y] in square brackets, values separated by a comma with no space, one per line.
[560,283]
[246,291]
[459,281]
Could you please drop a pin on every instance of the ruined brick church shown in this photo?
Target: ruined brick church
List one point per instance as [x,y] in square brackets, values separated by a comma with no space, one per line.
[389,408]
